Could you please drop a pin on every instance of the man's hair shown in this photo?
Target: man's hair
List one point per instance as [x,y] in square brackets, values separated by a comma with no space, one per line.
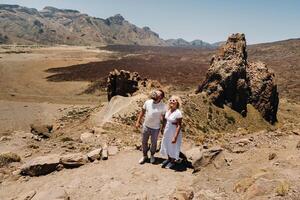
[162,93]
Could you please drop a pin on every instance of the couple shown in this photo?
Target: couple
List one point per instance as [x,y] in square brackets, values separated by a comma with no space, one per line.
[155,112]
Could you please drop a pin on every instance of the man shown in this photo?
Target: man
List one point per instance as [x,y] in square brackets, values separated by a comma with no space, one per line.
[154,110]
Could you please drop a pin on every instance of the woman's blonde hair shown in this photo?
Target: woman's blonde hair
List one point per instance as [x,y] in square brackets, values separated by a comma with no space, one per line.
[177,99]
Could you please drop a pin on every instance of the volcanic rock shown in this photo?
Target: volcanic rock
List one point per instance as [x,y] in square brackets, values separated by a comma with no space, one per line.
[263,90]
[232,81]
[73,160]
[203,158]
[225,81]
[123,83]
[41,129]
[41,165]
[95,154]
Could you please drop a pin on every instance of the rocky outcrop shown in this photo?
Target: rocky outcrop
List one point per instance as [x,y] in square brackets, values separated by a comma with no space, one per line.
[225,81]
[41,165]
[263,90]
[232,81]
[123,83]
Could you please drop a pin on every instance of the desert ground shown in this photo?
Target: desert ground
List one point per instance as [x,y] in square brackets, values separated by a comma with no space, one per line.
[64,86]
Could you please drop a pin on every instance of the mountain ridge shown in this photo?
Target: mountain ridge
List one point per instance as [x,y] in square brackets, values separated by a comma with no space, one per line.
[51,25]
[22,25]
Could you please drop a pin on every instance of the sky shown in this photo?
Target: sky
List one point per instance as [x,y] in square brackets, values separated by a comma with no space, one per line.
[208,20]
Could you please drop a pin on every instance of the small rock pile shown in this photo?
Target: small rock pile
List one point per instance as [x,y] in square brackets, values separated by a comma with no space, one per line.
[123,83]
[234,82]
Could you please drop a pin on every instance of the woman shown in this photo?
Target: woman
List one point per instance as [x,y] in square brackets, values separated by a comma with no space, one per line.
[172,137]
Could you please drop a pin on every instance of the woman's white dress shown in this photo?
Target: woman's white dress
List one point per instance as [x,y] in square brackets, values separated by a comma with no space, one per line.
[167,147]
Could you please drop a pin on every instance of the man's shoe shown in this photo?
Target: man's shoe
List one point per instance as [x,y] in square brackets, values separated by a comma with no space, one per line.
[143,160]
[152,159]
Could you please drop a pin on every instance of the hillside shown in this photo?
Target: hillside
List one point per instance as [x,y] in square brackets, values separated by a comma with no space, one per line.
[23,25]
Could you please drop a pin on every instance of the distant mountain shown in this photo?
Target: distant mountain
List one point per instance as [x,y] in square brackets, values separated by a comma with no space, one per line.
[177,42]
[195,43]
[23,25]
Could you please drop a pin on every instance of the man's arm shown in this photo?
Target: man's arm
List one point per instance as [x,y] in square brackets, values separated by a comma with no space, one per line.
[140,117]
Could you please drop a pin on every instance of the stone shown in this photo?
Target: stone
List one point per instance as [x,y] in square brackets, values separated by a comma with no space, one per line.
[191,154]
[41,165]
[104,154]
[8,157]
[73,160]
[205,157]
[182,194]
[87,138]
[52,194]
[95,154]
[243,142]
[232,81]
[272,156]
[123,83]
[42,130]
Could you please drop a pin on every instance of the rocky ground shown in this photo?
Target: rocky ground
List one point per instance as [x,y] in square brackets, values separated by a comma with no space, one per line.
[90,148]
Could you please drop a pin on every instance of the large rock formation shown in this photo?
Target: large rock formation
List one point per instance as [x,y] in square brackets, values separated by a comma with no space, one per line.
[225,81]
[263,90]
[123,83]
[234,82]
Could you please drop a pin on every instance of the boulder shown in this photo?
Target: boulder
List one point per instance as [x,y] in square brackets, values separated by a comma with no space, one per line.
[87,138]
[8,157]
[204,157]
[41,165]
[232,81]
[73,160]
[123,83]
[263,90]
[95,154]
[42,130]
